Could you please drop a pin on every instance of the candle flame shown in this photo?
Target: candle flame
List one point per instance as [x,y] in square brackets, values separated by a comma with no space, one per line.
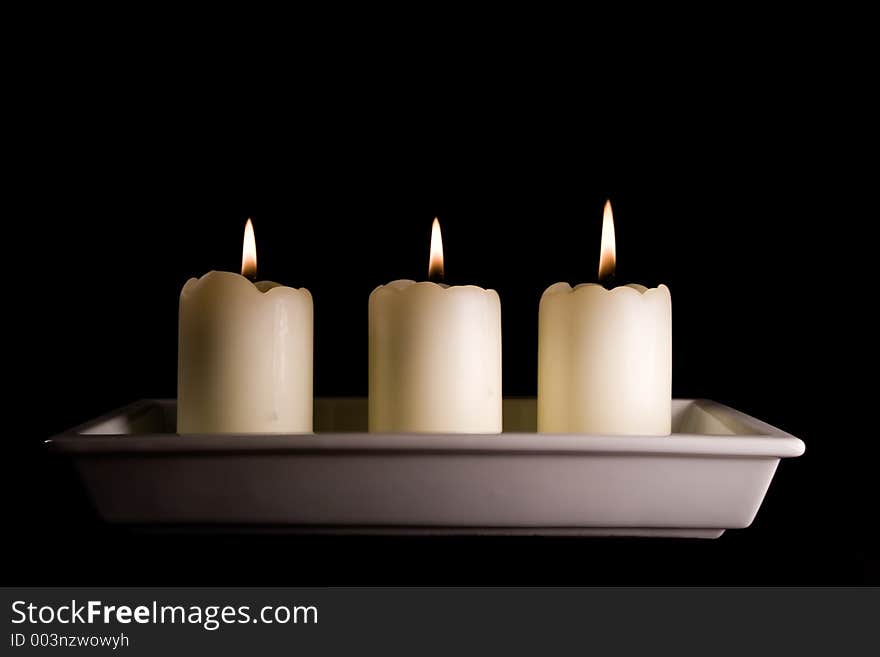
[435,262]
[608,251]
[249,252]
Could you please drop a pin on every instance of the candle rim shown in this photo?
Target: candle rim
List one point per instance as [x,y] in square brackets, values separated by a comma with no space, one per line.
[399,285]
[269,287]
[563,287]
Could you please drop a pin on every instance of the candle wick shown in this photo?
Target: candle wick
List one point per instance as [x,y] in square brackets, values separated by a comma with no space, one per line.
[607,281]
[435,276]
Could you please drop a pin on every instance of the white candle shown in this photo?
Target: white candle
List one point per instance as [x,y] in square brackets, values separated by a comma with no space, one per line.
[245,354]
[605,356]
[435,355]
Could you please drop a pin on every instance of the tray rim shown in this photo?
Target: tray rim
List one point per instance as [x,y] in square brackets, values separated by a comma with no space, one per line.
[209,529]
[767,441]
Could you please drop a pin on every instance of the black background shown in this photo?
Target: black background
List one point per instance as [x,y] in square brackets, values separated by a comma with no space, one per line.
[727,183]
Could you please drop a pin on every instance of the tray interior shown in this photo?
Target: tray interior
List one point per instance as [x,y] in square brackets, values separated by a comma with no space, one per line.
[349,414]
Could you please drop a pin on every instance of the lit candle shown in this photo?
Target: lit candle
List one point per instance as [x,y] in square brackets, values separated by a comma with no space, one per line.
[435,354]
[605,355]
[244,353]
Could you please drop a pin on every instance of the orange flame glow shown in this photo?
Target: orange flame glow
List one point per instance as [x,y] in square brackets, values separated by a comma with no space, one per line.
[608,250]
[435,261]
[249,252]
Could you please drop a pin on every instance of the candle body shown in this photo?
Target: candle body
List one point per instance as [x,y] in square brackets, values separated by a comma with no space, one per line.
[605,360]
[435,358]
[244,357]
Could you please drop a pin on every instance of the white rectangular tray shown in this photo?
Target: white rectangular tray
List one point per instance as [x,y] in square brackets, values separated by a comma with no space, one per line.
[711,474]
